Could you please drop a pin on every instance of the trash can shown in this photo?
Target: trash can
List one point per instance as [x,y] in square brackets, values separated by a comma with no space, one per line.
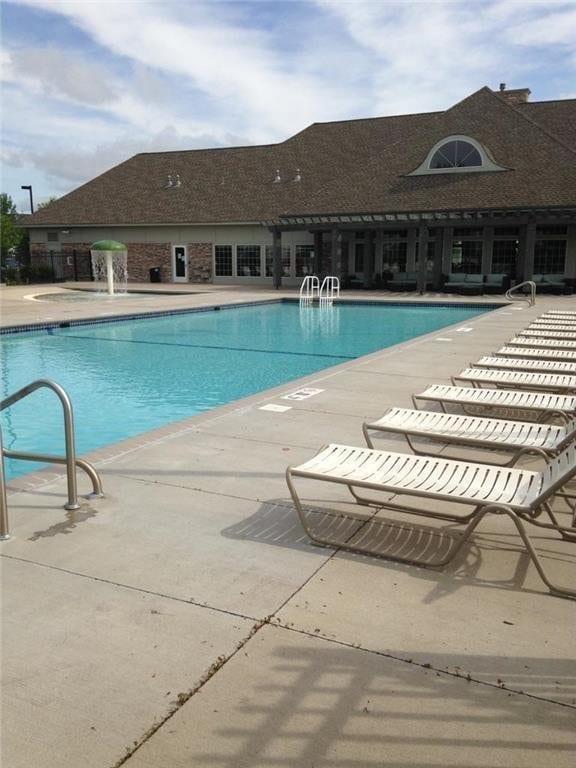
[155,275]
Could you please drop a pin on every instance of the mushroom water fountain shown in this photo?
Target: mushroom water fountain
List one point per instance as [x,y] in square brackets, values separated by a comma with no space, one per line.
[109,266]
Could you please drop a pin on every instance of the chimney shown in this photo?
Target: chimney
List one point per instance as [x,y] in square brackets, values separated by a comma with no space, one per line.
[515,95]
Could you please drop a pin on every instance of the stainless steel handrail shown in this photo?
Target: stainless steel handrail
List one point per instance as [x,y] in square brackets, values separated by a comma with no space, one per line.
[70,460]
[531,298]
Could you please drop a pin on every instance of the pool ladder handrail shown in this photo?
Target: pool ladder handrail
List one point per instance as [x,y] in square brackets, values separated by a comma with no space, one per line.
[329,290]
[70,459]
[530,297]
[310,287]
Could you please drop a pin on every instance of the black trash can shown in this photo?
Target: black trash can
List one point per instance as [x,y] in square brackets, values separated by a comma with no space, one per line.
[155,275]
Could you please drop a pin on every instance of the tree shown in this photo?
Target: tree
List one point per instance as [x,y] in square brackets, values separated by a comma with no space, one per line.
[46,203]
[10,236]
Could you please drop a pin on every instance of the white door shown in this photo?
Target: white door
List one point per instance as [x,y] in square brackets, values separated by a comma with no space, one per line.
[179,264]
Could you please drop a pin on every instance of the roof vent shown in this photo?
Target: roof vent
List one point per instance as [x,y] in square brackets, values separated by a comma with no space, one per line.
[177,183]
[298,176]
[277,177]
[169,183]
[502,86]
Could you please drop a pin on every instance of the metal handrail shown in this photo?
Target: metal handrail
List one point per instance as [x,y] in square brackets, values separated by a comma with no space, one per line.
[310,286]
[530,298]
[329,290]
[70,460]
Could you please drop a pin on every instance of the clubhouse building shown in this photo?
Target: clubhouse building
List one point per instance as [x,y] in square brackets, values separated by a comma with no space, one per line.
[486,187]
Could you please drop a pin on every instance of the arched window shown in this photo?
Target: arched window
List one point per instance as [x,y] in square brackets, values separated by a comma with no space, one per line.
[456,154]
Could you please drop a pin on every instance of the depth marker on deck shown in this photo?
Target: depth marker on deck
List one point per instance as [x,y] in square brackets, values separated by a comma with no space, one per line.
[302,394]
[275,408]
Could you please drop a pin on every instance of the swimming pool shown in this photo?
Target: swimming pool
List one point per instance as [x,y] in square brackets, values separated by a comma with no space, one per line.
[131,376]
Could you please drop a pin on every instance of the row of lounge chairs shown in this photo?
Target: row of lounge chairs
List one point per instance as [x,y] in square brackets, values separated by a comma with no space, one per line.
[534,379]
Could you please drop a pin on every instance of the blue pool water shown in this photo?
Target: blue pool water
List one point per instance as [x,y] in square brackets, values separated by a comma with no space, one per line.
[125,378]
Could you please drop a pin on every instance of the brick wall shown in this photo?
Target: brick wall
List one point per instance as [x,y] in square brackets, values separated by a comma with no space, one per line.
[200,262]
[143,256]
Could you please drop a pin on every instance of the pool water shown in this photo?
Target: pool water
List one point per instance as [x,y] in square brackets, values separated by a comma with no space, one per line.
[125,378]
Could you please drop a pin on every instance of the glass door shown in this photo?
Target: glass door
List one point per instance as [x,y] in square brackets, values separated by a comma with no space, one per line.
[179,264]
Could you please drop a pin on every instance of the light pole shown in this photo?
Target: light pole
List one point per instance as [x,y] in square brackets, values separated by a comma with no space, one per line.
[29,188]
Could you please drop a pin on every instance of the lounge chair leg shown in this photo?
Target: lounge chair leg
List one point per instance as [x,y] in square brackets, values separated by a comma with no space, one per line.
[367,437]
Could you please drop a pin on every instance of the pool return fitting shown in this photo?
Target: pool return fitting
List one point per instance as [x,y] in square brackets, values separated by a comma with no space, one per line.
[70,459]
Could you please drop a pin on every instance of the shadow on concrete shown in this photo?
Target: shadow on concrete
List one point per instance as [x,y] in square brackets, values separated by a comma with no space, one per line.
[344,708]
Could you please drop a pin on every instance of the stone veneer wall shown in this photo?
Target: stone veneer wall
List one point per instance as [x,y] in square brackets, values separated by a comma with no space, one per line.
[200,262]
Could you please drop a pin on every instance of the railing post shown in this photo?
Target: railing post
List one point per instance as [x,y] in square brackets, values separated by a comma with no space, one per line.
[4,525]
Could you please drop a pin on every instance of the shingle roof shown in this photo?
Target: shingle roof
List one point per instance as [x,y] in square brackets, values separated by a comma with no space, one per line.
[356,165]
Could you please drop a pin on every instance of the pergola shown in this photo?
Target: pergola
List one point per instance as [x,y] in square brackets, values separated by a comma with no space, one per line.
[336,225]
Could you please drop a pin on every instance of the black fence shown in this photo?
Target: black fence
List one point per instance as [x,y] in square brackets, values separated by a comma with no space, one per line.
[47,267]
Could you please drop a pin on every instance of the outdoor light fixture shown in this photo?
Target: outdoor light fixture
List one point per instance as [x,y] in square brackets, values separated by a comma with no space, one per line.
[29,188]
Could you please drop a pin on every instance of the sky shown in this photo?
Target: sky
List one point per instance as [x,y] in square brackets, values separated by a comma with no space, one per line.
[85,85]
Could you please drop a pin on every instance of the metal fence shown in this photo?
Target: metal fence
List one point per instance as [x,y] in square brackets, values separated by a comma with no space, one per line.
[50,267]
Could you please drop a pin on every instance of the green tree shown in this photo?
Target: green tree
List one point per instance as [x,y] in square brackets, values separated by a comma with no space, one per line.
[46,203]
[10,236]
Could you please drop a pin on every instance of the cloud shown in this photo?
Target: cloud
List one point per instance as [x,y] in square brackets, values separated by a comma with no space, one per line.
[65,74]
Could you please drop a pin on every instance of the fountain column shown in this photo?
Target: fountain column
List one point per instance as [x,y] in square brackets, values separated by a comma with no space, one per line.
[109,265]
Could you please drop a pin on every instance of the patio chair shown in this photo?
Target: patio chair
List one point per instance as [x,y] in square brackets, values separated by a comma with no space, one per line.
[550,382]
[537,353]
[530,341]
[520,364]
[545,326]
[523,495]
[542,405]
[520,437]
[569,335]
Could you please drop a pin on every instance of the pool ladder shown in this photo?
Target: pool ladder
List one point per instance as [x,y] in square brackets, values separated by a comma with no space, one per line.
[70,459]
[325,293]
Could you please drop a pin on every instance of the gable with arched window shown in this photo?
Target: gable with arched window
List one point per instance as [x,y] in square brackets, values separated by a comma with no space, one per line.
[457,154]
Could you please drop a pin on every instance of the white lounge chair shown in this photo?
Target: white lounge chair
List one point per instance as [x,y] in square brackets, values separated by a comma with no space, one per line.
[519,364]
[522,495]
[569,335]
[529,341]
[555,327]
[555,320]
[520,437]
[537,353]
[550,382]
[570,312]
[542,404]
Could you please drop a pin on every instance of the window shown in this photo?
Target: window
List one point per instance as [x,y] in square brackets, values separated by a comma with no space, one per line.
[52,237]
[394,256]
[304,260]
[467,256]
[506,231]
[468,232]
[248,261]
[549,257]
[394,234]
[285,261]
[559,230]
[456,154]
[504,257]
[223,260]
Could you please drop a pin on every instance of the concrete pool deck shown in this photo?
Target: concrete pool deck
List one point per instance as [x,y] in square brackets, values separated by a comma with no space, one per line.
[185,620]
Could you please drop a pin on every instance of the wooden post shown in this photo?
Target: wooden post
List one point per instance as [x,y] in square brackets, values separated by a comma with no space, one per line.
[369,259]
[438,255]
[276,257]
[422,257]
[487,249]
[529,248]
[318,253]
[336,253]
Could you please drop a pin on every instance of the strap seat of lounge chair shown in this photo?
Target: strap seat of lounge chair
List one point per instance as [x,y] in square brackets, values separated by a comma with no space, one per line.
[521,494]
[555,382]
[537,354]
[529,341]
[548,334]
[543,402]
[561,312]
[503,434]
[518,364]
[555,327]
